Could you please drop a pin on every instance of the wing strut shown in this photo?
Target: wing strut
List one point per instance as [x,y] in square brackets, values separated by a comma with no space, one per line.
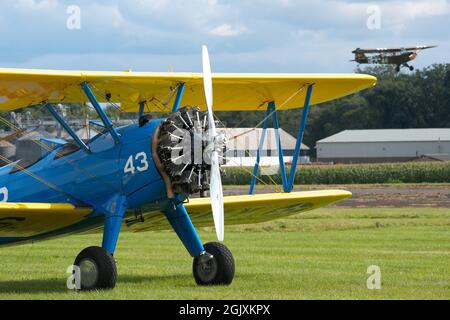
[66,126]
[288,184]
[103,116]
[178,98]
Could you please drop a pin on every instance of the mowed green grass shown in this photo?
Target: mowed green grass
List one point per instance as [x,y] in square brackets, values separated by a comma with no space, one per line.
[322,254]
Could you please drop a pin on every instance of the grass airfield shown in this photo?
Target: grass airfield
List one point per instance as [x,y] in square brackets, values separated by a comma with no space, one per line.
[322,254]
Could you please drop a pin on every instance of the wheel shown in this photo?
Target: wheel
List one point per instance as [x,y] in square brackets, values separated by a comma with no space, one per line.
[216,267]
[97,269]
[411,68]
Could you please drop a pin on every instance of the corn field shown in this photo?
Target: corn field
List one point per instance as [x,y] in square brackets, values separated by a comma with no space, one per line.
[412,172]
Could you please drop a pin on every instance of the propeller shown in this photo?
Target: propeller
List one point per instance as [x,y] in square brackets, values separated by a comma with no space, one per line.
[215,188]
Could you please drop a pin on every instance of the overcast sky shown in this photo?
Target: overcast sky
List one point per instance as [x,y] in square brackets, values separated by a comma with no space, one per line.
[243,35]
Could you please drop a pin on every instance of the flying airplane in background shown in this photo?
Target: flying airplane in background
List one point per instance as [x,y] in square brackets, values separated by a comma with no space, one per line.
[396,56]
[127,178]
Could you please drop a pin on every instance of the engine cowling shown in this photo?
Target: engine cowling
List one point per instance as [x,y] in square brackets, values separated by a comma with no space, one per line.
[182,150]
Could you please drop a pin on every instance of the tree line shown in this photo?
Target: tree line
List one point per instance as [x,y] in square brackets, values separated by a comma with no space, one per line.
[419,99]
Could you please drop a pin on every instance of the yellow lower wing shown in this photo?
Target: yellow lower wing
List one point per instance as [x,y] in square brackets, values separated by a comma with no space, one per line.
[247,209]
[31,219]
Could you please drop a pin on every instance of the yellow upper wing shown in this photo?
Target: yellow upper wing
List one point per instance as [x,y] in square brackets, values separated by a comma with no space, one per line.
[247,209]
[31,219]
[232,92]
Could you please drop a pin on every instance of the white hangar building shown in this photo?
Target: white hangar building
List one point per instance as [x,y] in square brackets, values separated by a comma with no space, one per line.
[364,146]
[243,143]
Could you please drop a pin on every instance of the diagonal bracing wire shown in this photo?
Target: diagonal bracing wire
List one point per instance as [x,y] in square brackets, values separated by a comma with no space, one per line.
[277,108]
[75,165]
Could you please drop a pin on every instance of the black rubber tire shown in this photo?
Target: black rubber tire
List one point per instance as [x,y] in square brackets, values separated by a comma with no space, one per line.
[411,68]
[105,264]
[225,265]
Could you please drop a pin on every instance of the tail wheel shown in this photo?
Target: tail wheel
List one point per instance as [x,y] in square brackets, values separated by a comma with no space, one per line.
[97,269]
[216,267]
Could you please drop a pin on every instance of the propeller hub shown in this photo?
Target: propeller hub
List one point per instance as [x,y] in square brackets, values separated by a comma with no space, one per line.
[184,149]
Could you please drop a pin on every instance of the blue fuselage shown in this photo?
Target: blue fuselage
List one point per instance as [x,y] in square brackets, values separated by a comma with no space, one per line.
[91,179]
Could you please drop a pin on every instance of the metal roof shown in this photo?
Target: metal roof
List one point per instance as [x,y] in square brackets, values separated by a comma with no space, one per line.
[439,157]
[248,139]
[389,135]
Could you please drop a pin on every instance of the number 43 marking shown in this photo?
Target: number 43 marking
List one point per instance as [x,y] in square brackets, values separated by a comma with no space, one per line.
[141,158]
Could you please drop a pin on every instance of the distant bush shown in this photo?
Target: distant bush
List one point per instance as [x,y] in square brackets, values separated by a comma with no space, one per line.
[411,172]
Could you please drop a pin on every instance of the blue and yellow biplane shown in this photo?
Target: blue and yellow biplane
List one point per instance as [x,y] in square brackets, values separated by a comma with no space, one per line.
[125,177]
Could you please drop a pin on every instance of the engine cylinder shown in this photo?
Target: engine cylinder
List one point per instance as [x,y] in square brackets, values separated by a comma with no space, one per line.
[182,142]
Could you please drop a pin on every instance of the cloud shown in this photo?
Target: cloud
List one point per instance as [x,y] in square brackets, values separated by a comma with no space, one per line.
[36,4]
[243,35]
[225,30]
[413,10]
[399,16]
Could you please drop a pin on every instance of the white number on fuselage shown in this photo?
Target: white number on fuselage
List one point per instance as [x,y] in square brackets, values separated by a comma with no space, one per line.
[141,167]
[4,194]
[143,162]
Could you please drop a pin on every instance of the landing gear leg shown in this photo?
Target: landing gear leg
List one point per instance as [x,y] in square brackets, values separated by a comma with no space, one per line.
[411,68]
[97,265]
[213,263]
